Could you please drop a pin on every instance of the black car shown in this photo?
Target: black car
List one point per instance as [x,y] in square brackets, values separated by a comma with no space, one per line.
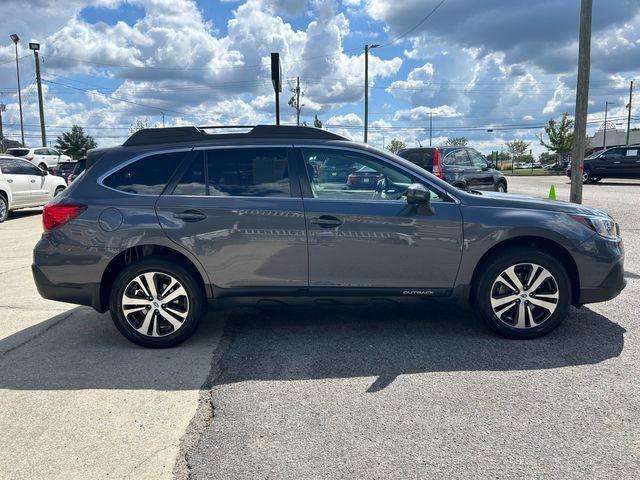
[78,168]
[462,167]
[63,169]
[616,162]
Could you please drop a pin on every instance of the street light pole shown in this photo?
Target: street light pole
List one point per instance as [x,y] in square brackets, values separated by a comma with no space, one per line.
[3,107]
[629,113]
[366,88]
[15,38]
[35,47]
[430,127]
[604,131]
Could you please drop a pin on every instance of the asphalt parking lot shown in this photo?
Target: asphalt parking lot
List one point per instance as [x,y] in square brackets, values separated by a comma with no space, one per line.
[375,391]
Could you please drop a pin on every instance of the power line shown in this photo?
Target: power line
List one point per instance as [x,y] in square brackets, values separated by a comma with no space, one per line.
[398,37]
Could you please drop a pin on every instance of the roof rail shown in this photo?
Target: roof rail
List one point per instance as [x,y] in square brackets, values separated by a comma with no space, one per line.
[151,136]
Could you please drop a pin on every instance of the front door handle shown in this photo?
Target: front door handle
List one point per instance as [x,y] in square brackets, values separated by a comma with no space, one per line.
[326,221]
[190,215]
[33,181]
[9,180]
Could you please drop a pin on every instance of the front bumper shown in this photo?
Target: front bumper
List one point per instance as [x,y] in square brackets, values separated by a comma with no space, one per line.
[600,262]
[610,287]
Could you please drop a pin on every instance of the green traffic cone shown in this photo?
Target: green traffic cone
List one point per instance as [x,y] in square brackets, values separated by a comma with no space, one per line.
[552,192]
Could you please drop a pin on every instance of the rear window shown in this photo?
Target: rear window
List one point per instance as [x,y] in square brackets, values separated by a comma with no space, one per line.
[147,176]
[18,152]
[422,157]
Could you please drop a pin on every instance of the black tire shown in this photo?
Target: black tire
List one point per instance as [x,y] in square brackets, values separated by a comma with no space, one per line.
[595,179]
[4,208]
[502,184]
[483,290]
[195,294]
[43,166]
[586,176]
[58,191]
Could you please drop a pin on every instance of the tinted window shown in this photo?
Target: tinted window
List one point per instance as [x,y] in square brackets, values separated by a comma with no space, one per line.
[248,172]
[458,158]
[7,165]
[25,168]
[423,158]
[192,181]
[18,152]
[79,168]
[477,159]
[147,176]
[53,152]
[41,151]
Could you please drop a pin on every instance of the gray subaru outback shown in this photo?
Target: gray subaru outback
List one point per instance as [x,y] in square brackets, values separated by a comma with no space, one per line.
[174,218]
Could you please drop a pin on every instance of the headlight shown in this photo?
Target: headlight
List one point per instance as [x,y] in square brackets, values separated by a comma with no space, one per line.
[603,226]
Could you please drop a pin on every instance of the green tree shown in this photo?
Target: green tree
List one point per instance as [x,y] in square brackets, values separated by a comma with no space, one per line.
[316,121]
[139,124]
[396,145]
[75,142]
[547,158]
[560,135]
[518,148]
[457,142]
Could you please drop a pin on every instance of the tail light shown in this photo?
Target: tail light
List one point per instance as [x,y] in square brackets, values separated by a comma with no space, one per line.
[352,179]
[437,164]
[55,214]
[29,158]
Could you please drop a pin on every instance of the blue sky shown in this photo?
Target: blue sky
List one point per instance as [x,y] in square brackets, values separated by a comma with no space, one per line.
[505,65]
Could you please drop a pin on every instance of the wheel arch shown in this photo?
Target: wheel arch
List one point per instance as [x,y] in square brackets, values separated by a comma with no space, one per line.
[540,243]
[138,252]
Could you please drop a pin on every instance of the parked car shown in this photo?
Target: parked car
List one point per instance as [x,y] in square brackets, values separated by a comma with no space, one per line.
[462,167]
[23,185]
[63,169]
[332,171]
[77,170]
[616,162]
[177,217]
[364,178]
[44,157]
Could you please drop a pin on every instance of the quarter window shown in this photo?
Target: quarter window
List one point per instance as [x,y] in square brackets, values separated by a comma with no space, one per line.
[248,172]
[147,176]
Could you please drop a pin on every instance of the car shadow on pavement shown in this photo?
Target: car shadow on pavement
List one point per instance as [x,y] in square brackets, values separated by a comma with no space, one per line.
[386,341]
[24,213]
[81,349]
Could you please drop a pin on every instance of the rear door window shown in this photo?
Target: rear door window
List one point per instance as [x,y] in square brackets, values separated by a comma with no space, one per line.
[147,176]
[458,158]
[7,166]
[41,151]
[193,179]
[248,172]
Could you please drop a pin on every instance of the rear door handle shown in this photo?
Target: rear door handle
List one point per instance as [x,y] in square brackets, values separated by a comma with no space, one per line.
[33,181]
[326,221]
[9,180]
[190,215]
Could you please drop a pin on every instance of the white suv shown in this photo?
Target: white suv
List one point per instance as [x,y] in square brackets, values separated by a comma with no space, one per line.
[44,157]
[24,185]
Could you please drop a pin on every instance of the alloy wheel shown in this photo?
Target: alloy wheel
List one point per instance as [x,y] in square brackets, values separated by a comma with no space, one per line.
[524,295]
[585,177]
[155,304]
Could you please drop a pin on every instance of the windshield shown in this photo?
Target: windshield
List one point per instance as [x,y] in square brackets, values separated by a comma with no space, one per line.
[595,154]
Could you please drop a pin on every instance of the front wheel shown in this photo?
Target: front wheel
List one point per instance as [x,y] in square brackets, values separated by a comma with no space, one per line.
[43,167]
[4,208]
[156,303]
[501,187]
[523,294]
[58,191]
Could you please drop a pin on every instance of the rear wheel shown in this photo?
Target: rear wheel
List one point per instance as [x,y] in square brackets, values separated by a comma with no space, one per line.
[58,191]
[43,166]
[156,303]
[501,187]
[523,294]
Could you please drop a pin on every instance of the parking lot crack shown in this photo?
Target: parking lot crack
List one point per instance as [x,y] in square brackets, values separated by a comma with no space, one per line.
[205,411]
[38,335]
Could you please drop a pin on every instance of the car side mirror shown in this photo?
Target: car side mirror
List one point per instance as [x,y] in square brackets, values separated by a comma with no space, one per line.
[418,194]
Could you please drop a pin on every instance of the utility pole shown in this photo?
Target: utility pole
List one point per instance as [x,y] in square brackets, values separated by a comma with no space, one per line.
[15,38]
[3,108]
[604,131]
[35,47]
[582,99]
[430,126]
[629,108]
[366,88]
[162,119]
[294,101]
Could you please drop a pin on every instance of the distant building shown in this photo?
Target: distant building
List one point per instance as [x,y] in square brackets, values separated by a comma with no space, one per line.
[615,138]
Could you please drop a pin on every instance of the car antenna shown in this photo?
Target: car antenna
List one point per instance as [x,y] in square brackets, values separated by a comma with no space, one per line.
[419,144]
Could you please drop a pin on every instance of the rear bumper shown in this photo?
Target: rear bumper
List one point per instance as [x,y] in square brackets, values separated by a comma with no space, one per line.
[79,294]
